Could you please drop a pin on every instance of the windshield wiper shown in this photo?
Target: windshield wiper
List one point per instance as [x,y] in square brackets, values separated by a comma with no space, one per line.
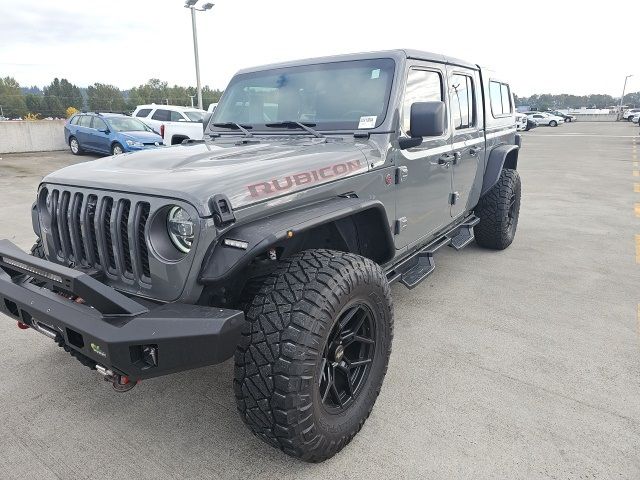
[293,124]
[235,126]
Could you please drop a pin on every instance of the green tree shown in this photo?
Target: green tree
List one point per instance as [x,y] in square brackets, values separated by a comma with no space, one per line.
[11,98]
[210,96]
[34,103]
[68,93]
[101,97]
[52,107]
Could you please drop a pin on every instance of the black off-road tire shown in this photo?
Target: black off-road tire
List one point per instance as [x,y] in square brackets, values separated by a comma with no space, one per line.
[280,362]
[499,210]
[38,249]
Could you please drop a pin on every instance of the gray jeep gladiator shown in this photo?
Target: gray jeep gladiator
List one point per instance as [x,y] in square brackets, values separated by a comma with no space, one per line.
[275,240]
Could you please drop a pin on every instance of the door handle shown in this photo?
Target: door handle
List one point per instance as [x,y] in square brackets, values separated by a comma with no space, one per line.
[473,151]
[444,160]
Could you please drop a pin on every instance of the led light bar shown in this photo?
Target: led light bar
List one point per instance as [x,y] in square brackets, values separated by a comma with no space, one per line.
[35,270]
[236,244]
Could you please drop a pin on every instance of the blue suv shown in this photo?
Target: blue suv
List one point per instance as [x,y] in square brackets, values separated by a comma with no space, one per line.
[109,133]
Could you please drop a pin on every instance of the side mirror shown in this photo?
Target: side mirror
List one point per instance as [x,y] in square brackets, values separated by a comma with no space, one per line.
[205,120]
[427,119]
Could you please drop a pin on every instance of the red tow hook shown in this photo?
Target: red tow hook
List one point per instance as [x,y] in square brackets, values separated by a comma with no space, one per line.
[23,326]
[122,384]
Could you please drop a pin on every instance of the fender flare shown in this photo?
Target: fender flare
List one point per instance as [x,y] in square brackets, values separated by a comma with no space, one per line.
[222,262]
[503,156]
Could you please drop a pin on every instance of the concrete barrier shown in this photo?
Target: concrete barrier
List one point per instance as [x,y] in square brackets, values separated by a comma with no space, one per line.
[594,117]
[32,136]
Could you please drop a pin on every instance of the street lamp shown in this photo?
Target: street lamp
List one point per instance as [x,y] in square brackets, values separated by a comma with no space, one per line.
[623,90]
[191,4]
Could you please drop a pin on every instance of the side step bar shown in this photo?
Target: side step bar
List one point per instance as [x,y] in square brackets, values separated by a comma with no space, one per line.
[413,270]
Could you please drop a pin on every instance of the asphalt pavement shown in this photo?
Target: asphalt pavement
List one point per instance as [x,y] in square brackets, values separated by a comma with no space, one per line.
[520,364]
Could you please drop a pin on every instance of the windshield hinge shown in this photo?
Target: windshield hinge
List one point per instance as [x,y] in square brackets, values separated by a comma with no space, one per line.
[366,135]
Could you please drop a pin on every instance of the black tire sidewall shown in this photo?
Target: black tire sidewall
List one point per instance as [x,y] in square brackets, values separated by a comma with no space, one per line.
[553,123]
[335,426]
[113,147]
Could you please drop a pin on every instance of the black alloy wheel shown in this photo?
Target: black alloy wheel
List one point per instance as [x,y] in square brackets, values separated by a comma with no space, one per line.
[347,358]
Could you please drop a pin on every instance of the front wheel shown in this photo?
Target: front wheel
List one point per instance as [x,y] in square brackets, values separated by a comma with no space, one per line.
[117,149]
[553,123]
[499,210]
[314,352]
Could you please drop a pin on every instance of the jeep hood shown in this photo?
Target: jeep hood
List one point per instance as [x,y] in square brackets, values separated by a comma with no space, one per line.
[246,173]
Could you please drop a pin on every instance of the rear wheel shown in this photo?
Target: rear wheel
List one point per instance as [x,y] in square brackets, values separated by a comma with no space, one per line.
[314,352]
[74,146]
[499,210]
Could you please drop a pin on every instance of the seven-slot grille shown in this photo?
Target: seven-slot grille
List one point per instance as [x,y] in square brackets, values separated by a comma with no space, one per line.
[102,232]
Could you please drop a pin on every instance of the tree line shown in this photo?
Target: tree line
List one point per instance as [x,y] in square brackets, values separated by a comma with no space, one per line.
[55,99]
[548,101]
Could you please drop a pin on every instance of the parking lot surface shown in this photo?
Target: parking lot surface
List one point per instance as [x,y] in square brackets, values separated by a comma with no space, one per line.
[515,364]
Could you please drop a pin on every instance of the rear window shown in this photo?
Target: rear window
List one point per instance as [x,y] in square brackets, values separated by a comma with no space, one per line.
[176,116]
[500,97]
[85,121]
[143,112]
[195,116]
[162,115]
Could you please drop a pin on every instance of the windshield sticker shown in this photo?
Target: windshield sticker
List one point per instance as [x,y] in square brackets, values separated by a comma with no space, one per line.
[367,122]
[375,73]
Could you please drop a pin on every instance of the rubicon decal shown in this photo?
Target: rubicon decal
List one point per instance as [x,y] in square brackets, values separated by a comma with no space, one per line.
[288,182]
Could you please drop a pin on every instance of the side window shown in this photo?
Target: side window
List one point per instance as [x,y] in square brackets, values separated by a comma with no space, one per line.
[176,116]
[85,121]
[99,124]
[500,96]
[422,86]
[74,120]
[506,98]
[143,112]
[462,101]
[162,115]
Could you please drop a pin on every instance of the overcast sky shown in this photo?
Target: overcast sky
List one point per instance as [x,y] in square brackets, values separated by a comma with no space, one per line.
[541,46]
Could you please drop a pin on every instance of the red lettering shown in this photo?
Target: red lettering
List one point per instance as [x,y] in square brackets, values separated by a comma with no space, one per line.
[276,183]
[340,169]
[302,178]
[265,189]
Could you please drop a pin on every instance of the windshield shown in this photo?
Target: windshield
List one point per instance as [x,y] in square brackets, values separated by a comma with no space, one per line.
[195,116]
[332,96]
[126,124]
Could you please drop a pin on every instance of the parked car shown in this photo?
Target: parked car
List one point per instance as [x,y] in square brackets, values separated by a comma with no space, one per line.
[635,117]
[521,121]
[544,118]
[629,113]
[277,245]
[158,117]
[110,133]
[212,107]
[531,123]
[567,118]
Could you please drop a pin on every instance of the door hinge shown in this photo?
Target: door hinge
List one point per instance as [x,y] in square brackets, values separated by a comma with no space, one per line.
[401,224]
[401,174]
[453,198]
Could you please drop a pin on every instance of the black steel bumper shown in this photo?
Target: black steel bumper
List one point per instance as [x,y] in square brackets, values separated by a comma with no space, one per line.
[110,329]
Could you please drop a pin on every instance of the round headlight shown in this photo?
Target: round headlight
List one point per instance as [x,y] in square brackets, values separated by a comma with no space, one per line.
[180,228]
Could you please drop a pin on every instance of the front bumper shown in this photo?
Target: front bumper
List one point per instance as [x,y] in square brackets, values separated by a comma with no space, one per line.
[108,328]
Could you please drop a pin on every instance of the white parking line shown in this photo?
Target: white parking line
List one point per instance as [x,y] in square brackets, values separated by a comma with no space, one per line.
[579,135]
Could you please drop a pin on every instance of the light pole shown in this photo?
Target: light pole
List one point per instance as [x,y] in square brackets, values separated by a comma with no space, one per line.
[623,90]
[191,4]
